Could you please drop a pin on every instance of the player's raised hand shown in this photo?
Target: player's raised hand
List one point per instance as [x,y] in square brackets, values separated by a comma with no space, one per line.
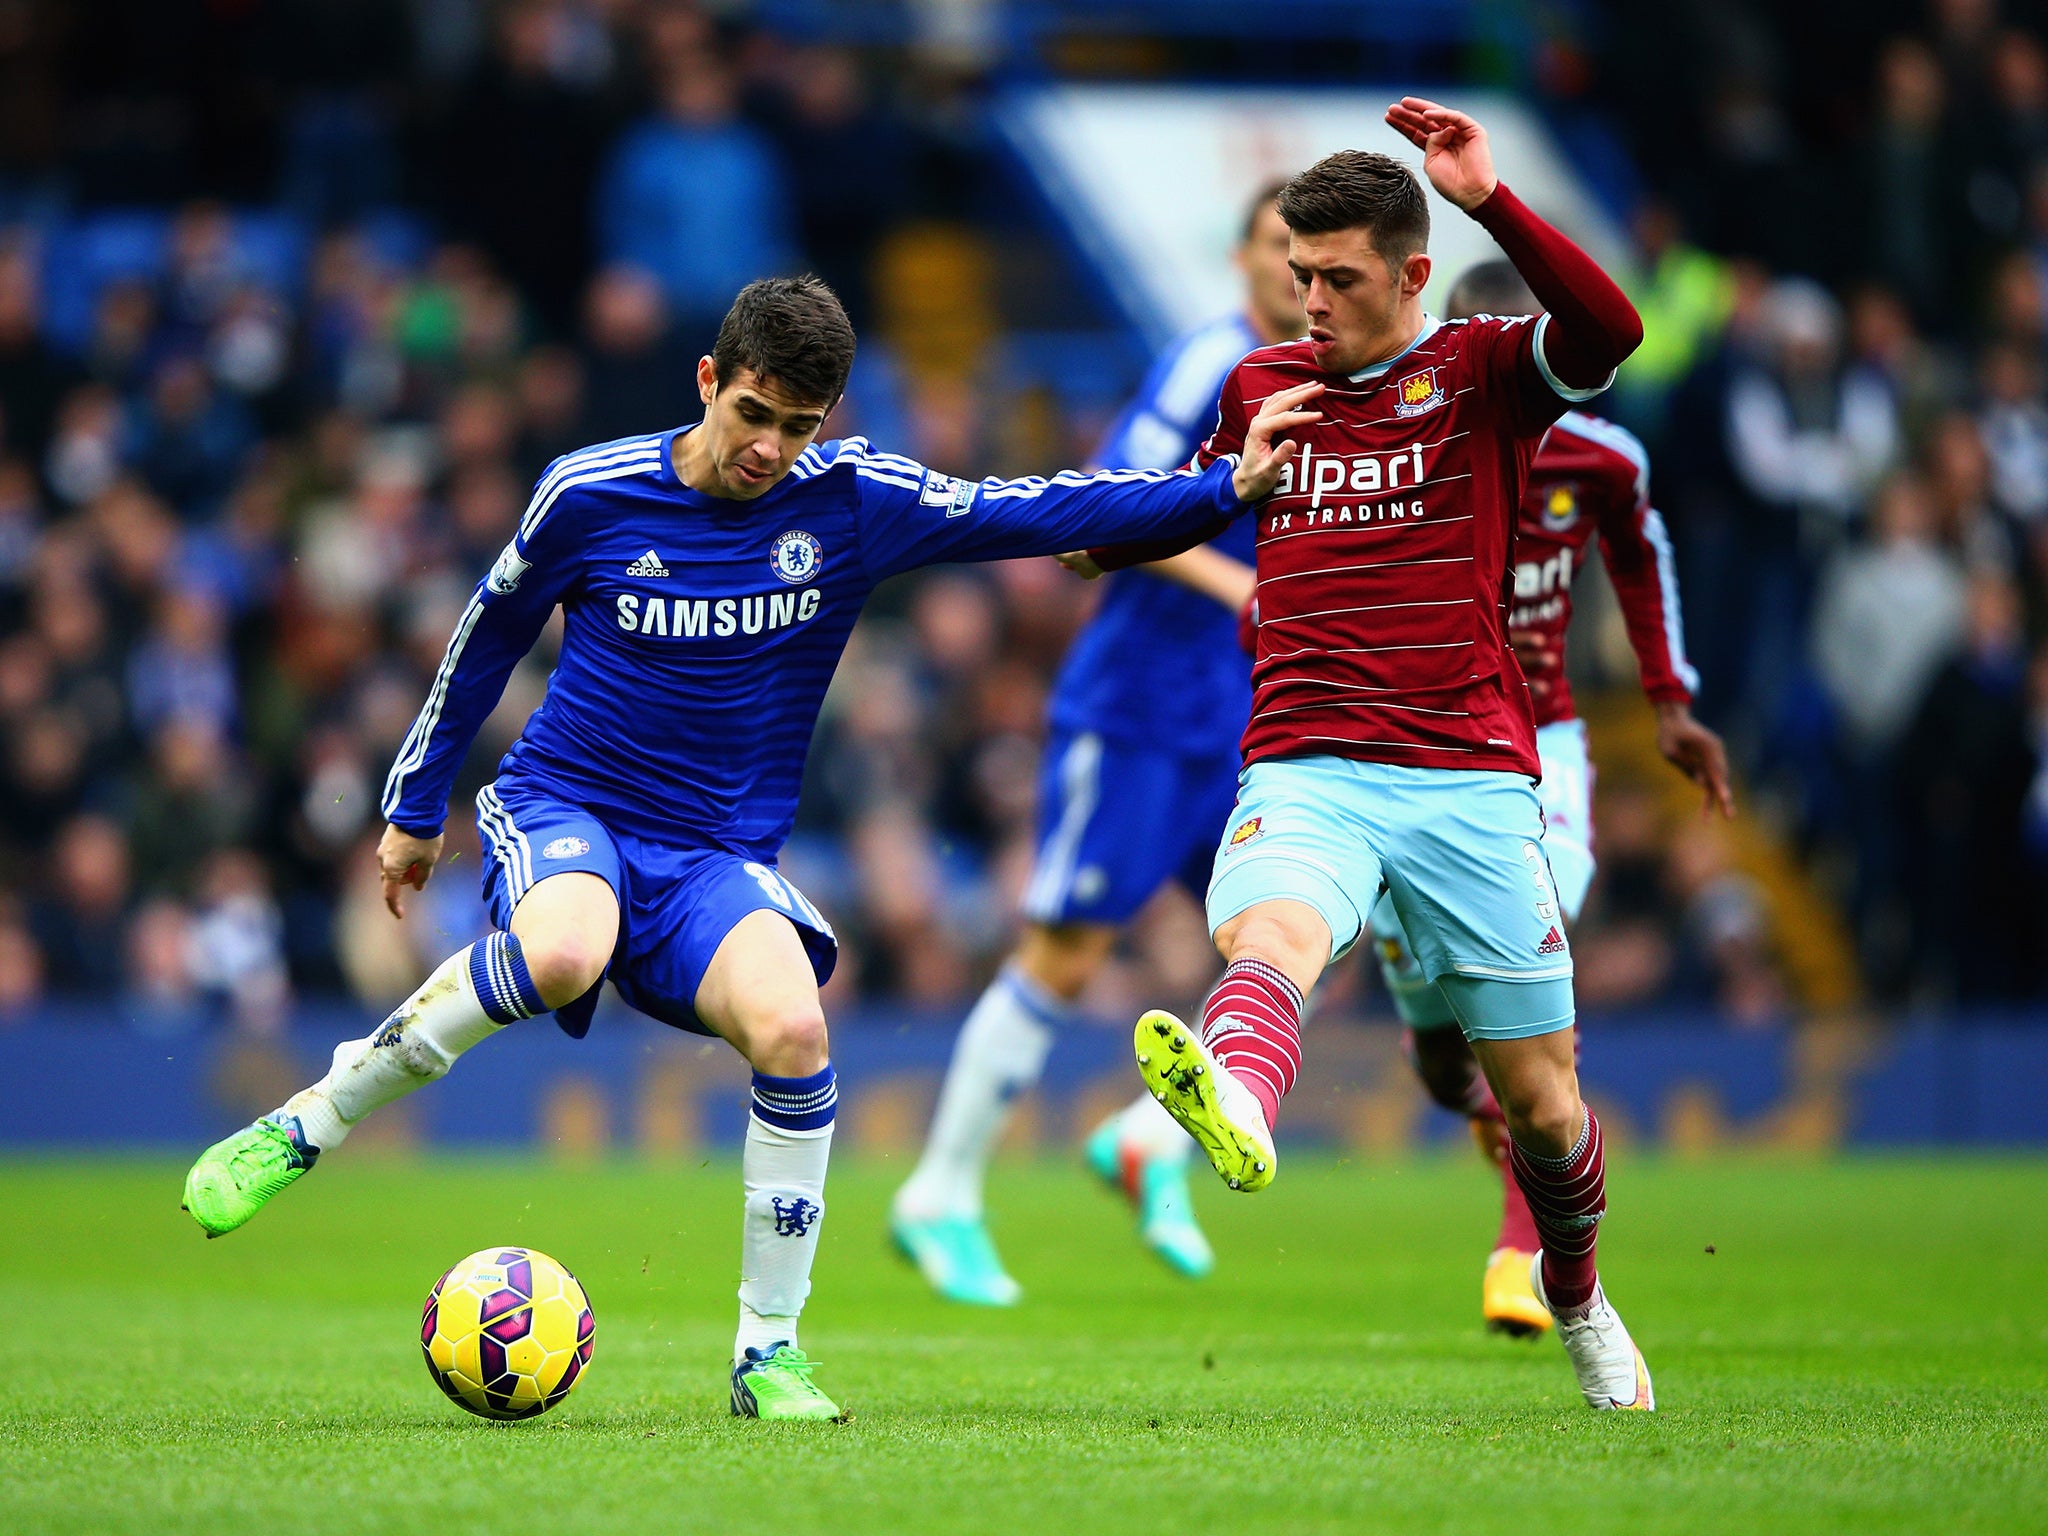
[403,860]
[1455,155]
[1259,465]
[1697,753]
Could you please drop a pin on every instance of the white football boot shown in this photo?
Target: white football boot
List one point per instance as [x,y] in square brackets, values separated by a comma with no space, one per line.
[1610,1368]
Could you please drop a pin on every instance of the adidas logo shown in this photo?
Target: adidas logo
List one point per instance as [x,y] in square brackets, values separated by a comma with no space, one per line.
[1553,942]
[648,564]
[1229,1024]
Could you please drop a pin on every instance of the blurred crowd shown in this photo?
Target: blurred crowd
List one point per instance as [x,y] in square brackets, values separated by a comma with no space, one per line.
[1846,408]
[257,446]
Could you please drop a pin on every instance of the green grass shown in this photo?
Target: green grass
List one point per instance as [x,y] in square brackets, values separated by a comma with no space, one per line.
[1864,1348]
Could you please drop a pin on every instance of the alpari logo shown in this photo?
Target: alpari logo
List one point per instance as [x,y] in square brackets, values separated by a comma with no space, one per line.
[1534,578]
[1318,476]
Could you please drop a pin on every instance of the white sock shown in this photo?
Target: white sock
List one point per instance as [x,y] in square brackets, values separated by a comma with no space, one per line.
[418,1042]
[784,1174]
[1001,1052]
[1145,1125]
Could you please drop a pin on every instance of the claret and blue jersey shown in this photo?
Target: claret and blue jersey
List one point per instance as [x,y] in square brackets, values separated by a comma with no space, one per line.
[700,635]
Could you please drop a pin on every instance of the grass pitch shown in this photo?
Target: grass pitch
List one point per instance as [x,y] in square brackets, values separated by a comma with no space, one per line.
[1860,1346]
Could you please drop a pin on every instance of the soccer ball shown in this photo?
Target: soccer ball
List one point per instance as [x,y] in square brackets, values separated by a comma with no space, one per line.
[507,1333]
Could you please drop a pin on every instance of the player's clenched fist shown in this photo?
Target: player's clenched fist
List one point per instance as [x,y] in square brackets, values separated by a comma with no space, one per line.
[1259,465]
[403,860]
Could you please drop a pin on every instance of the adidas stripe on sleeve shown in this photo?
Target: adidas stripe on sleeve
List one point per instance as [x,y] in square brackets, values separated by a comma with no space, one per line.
[499,625]
[912,516]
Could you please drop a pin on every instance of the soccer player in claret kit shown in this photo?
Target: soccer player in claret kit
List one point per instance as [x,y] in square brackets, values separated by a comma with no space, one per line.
[709,577]
[1590,479]
[1140,766]
[1392,744]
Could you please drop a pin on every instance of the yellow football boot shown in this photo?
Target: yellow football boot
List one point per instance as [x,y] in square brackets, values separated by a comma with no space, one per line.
[1507,1299]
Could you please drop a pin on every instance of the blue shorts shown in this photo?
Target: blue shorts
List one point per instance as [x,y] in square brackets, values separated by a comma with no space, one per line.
[1459,853]
[675,904]
[1116,822]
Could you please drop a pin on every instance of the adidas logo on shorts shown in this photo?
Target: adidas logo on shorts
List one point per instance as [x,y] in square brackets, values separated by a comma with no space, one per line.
[1553,942]
[648,564]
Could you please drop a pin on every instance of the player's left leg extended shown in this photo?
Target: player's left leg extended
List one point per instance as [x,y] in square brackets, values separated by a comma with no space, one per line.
[1556,1154]
[1437,1051]
[760,993]
[560,939]
[1468,876]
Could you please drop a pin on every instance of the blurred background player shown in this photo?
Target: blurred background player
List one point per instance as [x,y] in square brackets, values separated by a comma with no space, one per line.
[1140,769]
[1590,477]
[1391,744]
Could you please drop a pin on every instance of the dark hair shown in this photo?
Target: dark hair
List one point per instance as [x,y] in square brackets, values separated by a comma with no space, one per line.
[789,329]
[1359,189]
[1491,288]
[1267,196]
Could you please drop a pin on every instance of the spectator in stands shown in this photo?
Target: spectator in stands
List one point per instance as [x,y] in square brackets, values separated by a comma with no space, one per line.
[79,916]
[640,370]
[1889,614]
[848,162]
[1913,182]
[523,132]
[33,380]
[696,197]
[1965,772]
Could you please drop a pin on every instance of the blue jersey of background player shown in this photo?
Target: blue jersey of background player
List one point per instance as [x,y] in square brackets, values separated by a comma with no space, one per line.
[709,577]
[1138,778]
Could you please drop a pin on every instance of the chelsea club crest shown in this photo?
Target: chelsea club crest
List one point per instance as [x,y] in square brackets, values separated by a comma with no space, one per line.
[796,557]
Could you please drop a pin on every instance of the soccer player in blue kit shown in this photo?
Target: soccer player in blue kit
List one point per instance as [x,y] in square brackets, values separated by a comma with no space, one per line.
[1140,768]
[709,577]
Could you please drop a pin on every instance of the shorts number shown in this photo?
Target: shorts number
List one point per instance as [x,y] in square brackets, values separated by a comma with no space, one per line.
[787,896]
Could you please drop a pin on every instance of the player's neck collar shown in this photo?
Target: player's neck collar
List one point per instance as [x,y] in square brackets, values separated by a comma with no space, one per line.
[1430,326]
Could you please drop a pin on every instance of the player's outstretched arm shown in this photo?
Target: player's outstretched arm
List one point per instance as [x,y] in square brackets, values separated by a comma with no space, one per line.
[1592,325]
[912,516]
[1266,451]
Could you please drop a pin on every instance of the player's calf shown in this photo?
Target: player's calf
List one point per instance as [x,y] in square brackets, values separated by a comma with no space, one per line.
[471,995]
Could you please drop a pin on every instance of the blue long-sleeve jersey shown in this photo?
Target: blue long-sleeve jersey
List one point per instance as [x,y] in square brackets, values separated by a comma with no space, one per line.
[1159,663]
[701,632]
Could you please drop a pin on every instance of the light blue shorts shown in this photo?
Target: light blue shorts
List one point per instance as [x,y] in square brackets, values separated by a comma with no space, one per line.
[1566,796]
[1459,854]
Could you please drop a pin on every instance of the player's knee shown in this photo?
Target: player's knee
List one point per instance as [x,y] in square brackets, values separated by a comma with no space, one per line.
[1445,1064]
[1290,936]
[564,965]
[788,1040]
[1063,960]
[1544,1117]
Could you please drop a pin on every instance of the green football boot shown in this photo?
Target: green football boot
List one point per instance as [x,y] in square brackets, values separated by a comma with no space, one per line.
[956,1255]
[775,1383]
[233,1179]
[1157,1188]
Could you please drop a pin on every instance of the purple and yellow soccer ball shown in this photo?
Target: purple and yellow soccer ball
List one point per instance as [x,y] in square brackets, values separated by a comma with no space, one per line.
[507,1333]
